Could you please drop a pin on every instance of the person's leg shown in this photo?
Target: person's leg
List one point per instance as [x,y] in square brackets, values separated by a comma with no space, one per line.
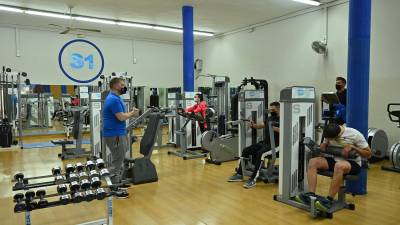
[341,167]
[238,176]
[315,164]
[258,160]
[117,147]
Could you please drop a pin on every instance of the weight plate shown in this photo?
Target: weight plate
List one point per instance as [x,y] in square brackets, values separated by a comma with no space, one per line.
[207,138]
[378,141]
[396,156]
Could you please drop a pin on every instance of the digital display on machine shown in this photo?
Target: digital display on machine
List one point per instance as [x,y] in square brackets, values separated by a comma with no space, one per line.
[303,93]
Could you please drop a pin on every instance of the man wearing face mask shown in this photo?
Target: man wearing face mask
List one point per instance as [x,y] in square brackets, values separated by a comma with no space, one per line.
[114,125]
[341,90]
[256,150]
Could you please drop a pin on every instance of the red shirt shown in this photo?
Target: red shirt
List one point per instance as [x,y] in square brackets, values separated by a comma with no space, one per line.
[75,102]
[200,107]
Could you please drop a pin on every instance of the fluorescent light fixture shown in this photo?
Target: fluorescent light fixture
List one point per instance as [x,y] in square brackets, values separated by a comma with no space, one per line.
[40,13]
[94,20]
[309,2]
[176,30]
[203,33]
[135,25]
[11,9]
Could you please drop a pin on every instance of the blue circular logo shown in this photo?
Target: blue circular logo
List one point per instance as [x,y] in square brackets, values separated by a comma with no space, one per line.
[81,61]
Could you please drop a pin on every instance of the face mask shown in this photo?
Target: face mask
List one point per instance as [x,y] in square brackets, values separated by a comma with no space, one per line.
[123,90]
[274,114]
[338,87]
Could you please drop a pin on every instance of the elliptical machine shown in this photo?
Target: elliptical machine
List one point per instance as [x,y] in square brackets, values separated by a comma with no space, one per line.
[394,154]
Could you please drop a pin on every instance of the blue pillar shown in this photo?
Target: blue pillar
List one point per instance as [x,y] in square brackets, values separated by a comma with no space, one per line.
[188,49]
[358,77]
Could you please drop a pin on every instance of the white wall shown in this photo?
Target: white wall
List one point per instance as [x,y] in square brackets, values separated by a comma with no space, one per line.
[158,64]
[281,53]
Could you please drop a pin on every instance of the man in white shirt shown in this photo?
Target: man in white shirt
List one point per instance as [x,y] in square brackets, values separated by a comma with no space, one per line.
[335,135]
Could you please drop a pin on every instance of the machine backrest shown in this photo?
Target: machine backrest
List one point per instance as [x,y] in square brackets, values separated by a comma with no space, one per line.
[150,134]
[75,127]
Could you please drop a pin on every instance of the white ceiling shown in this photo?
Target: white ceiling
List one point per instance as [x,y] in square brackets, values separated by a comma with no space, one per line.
[216,16]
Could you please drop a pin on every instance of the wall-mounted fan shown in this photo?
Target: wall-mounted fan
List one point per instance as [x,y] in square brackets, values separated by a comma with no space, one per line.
[320,47]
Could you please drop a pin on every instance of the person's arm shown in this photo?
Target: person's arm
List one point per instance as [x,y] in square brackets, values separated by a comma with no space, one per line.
[276,129]
[257,126]
[118,110]
[191,108]
[361,146]
[122,116]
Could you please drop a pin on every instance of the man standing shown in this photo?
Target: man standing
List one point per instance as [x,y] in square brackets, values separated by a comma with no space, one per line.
[114,126]
[341,90]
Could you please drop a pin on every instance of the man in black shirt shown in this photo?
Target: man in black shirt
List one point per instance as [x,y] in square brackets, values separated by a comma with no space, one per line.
[341,90]
[257,150]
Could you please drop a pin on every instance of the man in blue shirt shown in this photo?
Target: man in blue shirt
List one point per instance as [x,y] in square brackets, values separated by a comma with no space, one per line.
[114,126]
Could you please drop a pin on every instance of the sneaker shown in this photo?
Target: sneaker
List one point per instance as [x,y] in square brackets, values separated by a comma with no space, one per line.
[323,204]
[303,198]
[121,194]
[250,183]
[235,178]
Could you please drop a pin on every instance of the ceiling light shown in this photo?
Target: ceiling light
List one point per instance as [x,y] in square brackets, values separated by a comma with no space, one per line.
[11,9]
[203,33]
[40,13]
[176,30]
[94,20]
[309,2]
[135,25]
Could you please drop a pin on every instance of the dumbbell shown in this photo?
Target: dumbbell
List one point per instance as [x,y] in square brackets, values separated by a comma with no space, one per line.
[88,194]
[83,176]
[56,171]
[64,198]
[79,167]
[69,168]
[104,173]
[93,173]
[100,164]
[100,193]
[41,193]
[90,165]
[78,196]
[30,203]
[73,177]
[20,205]
[95,182]
[20,182]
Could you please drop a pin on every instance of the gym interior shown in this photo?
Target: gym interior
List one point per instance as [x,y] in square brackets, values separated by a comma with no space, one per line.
[199,112]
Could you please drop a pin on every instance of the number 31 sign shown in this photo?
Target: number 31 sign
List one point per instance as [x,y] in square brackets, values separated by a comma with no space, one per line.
[81,61]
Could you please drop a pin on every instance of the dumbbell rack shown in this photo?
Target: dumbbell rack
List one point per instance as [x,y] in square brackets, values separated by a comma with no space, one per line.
[23,184]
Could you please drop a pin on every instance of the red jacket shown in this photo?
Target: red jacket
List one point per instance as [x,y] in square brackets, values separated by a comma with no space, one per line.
[200,107]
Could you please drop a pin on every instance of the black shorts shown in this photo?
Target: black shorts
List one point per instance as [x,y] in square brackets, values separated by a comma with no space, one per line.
[355,168]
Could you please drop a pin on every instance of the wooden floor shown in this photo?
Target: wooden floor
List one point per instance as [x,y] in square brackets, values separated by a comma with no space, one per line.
[192,192]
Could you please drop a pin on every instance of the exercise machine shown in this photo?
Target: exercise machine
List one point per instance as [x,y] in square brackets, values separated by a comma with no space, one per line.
[78,151]
[393,110]
[252,106]
[10,106]
[185,152]
[298,122]
[221,145]
[174,101]
[142,170]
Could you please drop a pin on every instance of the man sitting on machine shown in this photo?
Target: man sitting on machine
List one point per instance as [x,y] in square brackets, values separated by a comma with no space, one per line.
[349,139]
[258,149]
